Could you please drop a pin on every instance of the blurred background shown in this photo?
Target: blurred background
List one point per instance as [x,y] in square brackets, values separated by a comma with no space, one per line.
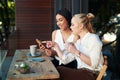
[22,21]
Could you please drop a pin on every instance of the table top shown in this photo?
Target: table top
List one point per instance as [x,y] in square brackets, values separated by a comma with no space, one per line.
[38,70]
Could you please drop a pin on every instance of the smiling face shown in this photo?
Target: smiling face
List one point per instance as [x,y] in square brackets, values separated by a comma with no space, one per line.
[61,22]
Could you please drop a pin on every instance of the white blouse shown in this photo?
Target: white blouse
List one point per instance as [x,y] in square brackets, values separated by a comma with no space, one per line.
[91,46]
[60,42]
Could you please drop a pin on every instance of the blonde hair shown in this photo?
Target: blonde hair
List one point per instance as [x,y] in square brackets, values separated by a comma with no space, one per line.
[86,20]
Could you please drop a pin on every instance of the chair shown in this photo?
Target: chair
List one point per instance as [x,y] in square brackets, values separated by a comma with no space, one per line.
[103,70]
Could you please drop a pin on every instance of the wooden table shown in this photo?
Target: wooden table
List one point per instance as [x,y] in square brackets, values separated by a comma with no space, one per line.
[40,70]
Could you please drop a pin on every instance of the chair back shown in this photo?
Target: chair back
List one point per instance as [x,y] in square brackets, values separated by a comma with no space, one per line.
[103,70]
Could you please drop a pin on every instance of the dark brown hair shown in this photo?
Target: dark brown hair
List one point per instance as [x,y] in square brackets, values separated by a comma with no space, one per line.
[65,13]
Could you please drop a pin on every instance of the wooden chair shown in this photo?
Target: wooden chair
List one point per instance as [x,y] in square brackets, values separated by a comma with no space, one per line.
[103,70]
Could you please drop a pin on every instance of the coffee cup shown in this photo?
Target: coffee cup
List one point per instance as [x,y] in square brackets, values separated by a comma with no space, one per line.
[33,49]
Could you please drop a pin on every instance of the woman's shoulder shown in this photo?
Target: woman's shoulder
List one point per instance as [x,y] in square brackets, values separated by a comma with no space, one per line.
[55,31]
[94,38]
[76,37]
[93,35]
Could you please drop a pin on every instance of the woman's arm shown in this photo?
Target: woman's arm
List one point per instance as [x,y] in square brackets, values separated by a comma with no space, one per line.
[71,48]
[65,57]
[53,35]
[50,51]
[56,48]
[83,57]
[95,48]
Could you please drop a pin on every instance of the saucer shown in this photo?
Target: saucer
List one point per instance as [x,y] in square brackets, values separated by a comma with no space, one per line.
[36,59]
[36,54]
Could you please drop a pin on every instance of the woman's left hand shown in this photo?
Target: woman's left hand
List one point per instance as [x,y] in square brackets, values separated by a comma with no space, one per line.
[70,47]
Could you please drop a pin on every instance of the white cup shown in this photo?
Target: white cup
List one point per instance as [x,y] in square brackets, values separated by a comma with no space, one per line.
[33,49]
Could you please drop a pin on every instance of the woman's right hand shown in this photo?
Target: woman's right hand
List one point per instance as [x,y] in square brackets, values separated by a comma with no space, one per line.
[50,48]
[48,52]
[53,45]
[41,46]
[49,44]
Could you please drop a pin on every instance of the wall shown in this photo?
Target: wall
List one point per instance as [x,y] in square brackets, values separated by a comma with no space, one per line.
[75,6]
[33,20]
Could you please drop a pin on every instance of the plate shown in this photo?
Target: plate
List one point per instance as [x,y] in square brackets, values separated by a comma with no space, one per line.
[37,54]
[36,59]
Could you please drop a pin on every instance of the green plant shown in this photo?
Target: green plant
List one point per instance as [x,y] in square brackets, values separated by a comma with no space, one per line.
[7,17]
